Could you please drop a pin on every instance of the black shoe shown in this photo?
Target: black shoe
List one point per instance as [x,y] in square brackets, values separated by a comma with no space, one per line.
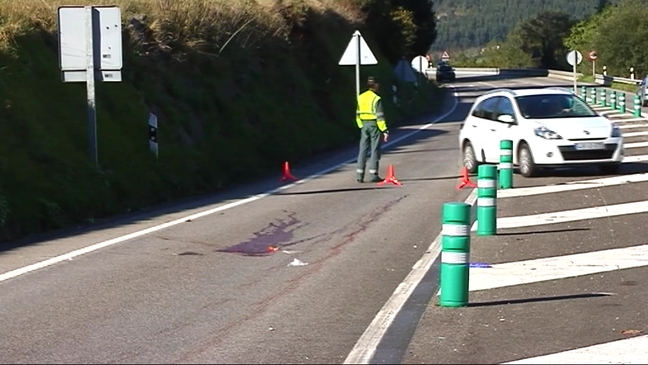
[376,179]
[360,181]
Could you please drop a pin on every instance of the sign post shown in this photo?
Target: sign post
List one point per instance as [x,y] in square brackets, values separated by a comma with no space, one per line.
[90,49]
[357,53]
[574,58]
[592,56]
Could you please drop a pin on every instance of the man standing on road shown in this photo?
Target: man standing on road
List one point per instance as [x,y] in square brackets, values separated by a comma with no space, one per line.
[373,128]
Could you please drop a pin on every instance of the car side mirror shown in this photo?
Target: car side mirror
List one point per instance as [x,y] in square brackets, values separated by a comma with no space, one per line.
[506,118]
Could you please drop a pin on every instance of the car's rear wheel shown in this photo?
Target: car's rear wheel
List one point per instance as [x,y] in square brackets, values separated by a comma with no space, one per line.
[610,169]
[526,164]
[469,158]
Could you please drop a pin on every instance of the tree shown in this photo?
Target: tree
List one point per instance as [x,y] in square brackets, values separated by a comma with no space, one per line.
[621,37]
[543,36]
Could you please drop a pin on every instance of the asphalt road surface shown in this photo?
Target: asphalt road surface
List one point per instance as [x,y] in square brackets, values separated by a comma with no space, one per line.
[324,270]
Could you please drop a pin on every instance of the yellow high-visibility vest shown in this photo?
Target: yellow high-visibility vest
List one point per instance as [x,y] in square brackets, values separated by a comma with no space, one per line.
[367,102]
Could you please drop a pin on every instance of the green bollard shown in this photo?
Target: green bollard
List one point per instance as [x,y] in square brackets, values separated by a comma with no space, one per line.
[583,92]
[593,96]
[622,105]
[613,103]
[455,252]
[588,97]
[636,111]
[602,101]
[506,164]
[486,197]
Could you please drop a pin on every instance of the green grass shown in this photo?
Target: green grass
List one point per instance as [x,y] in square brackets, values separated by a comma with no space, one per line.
[238,88]
[615,85]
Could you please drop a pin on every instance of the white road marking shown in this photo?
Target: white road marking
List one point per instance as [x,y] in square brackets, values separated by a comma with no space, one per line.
[620,115]
[638,158]
[635,134]
[559,267]
[638,119]
[626,351]
[577,185]
[570,215]
[608,112]
[97,246]
[635,145]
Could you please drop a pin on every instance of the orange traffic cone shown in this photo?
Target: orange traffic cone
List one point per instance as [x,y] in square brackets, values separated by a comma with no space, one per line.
[286,173]
[391,177]
[465,180]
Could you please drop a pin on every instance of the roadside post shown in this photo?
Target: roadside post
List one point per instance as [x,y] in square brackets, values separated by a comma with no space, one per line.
[622,102]
[636,112]
[593,96]
[486,200]
[602,98]
[506,164]
[455,253]
[613,103]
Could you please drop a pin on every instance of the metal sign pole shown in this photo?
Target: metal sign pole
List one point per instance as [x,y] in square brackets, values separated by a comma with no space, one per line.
[357,70]
[90,85]
[574,70]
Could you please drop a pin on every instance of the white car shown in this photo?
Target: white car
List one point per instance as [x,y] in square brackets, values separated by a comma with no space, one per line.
[549,127]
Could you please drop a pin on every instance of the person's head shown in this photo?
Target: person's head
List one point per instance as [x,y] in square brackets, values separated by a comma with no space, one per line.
[372,83]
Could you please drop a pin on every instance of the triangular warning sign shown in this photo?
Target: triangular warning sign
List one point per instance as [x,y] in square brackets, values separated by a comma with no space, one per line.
[350,56]
[445,55]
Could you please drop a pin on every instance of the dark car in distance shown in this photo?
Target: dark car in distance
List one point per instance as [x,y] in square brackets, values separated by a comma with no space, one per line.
[445,73]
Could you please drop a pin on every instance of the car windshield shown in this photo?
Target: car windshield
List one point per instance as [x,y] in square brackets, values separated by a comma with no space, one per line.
[553,106]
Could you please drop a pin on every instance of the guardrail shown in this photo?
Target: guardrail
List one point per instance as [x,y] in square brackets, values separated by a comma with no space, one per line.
[531,72]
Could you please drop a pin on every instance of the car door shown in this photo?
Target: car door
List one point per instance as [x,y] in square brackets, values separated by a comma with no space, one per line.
[481,125]
[490,142]
[503,130]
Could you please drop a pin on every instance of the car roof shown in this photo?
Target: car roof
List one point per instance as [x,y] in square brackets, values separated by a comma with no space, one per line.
[526,92]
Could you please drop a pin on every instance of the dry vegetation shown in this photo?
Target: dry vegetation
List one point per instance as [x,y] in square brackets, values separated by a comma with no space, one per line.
[196,24]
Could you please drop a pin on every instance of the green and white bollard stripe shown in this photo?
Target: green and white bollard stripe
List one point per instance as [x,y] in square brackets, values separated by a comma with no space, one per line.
[589,97]
[593,95]
[622,103]
[613,103]
[455,253]
[583,93]
[636,107]
[506,164]
[486,200]
[602,98]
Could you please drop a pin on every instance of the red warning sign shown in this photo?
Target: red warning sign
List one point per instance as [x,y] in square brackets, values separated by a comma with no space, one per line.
[445,56]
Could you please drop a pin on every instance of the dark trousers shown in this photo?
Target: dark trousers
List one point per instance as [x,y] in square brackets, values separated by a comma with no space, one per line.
[370,138]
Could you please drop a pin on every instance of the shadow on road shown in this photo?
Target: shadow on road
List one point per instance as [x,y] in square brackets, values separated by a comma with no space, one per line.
[543,231]
[539,299]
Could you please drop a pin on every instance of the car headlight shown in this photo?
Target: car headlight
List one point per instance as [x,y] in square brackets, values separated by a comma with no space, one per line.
[546,133]
[616,131]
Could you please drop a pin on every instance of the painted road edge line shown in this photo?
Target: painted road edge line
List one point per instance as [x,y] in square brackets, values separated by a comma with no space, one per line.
[365,348]
[97,246]
[624,351]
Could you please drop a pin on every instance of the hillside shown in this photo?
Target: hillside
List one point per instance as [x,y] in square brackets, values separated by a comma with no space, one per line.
[238,88]
[464,24]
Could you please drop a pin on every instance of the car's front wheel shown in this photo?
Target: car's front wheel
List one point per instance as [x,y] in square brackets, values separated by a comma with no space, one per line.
[469,158]
[526,164]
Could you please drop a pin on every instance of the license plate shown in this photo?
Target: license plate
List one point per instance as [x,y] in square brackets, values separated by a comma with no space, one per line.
[590,146]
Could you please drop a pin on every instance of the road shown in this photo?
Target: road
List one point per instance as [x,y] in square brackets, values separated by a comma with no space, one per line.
[211,281]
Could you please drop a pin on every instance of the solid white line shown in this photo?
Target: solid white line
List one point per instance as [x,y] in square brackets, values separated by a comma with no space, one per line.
[638,119]
[367,344]
[626,351]
[635,134]
[558,267]
[577,185]
[97,246]
[620,115]
[635,145]
[638,158]
[608,112]
[570,215]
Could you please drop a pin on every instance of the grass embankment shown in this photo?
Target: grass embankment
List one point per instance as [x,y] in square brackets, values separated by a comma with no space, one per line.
[238,88]
[615,85]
